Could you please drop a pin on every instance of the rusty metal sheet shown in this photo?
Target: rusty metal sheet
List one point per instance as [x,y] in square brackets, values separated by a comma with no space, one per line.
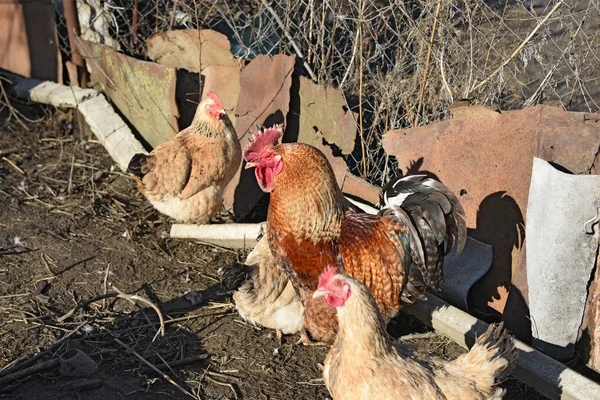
[263,100]
[13,39]
[191,87]
[589,344]
[29,40]
[181,49]
[360,188]
[516,314]
[225,81]
[325,109]
[486,156]
[143,91]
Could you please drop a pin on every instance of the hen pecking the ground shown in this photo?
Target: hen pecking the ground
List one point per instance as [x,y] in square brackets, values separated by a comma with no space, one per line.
[184,178]
[364,363]
[396,254]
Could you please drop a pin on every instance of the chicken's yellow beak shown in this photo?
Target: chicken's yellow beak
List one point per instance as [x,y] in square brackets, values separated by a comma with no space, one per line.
[319,293]
[250,165]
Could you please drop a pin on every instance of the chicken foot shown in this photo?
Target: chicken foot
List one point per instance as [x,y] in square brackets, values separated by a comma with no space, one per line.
[305,340]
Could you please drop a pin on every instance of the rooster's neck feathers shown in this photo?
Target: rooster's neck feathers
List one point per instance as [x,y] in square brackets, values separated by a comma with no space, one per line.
[306,199]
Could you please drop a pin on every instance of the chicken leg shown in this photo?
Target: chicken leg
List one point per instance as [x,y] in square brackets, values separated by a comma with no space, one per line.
[305,340]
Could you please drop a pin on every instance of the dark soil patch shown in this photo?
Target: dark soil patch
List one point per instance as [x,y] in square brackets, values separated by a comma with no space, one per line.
[72,225]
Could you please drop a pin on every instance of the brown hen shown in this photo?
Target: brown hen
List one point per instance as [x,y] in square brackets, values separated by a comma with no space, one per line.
[309,226]
[184,178]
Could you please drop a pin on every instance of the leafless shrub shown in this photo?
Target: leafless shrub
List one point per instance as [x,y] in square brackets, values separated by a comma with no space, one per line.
[400,63]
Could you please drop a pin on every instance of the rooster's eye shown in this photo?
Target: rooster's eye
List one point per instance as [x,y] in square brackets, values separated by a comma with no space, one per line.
[337,284]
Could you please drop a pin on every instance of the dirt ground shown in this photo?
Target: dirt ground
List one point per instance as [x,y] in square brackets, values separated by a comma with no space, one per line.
[73,227]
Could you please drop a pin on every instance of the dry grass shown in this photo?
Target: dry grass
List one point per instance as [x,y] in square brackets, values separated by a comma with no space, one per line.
[62,178]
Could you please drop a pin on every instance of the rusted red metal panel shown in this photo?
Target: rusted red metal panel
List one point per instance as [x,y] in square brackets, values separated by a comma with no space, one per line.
[360,188]
[181,49]
[486,156]
[13,39]
[263,100]
[29,39]
[143,91]
[589,343]
[324,108]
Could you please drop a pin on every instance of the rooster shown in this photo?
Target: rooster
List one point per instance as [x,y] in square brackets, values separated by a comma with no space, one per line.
[262,293]
[364,362]
[436,215]
[309,225]
[184,178]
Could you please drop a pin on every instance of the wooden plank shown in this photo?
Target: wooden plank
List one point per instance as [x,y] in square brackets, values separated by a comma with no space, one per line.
[237,236]
[49,92]
[181,49]
[111,130]
[355,186]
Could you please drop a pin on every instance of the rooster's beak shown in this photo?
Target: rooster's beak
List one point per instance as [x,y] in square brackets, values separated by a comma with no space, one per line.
[250,165]
[319,293]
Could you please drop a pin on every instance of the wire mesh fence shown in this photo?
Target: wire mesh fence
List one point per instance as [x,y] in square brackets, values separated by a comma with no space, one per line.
[399,63]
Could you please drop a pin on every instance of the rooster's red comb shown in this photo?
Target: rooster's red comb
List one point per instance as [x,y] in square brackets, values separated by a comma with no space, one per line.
[258,143]
[214,97]
[327,275]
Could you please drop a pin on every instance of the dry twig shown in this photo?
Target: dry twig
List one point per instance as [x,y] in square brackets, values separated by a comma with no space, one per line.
[360,89]
[31,360]
[417,336]
[181,362]
[290,38]
[44,258]
[424,81]
[122,296]
[229,385]
[519,48]
[153,368]
[15,166]
[42,366]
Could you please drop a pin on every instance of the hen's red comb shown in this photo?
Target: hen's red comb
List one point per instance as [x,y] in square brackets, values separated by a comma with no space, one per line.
[327,275]
[259,142]
[214,97]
